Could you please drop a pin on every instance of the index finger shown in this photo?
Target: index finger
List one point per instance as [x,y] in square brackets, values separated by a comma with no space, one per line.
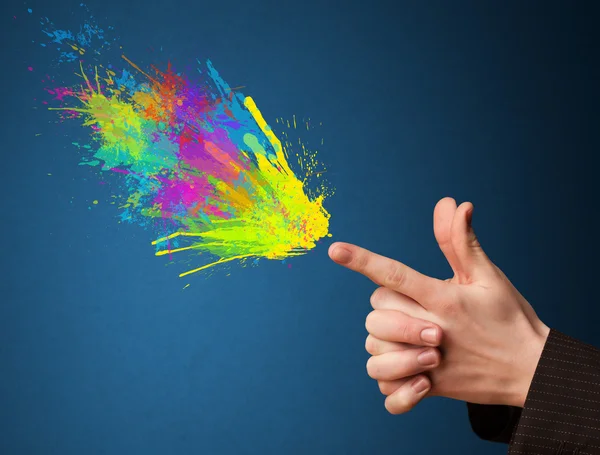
[386,272]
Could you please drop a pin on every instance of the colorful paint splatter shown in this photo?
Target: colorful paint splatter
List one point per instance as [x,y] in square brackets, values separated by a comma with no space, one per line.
[200,166]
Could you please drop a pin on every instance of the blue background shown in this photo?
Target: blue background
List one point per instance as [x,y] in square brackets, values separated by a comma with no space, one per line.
[102,352]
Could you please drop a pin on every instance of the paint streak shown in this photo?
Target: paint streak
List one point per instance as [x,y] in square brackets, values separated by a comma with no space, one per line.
[199,165]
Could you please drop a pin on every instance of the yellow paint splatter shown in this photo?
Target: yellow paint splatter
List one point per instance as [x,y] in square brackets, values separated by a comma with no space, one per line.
[275,225]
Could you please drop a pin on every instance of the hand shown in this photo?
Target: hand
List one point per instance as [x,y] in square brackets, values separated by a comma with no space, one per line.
[493,338]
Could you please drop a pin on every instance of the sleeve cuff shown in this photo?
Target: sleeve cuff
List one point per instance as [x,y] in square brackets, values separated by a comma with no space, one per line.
[492,422]
[562,408]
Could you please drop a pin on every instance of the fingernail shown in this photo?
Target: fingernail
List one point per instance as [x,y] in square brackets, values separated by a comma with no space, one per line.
[420,385]
[341,254]
[429,335]
[427,358]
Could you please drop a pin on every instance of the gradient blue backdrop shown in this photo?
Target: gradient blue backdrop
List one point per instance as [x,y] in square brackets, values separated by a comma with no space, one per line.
[102,352]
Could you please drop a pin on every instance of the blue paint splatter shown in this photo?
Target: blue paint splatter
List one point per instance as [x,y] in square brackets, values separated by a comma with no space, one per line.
[88,37]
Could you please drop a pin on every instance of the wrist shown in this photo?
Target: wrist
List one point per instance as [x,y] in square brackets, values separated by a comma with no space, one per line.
[526,362]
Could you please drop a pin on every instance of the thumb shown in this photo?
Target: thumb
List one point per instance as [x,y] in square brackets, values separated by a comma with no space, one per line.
[469,253]
[443,214]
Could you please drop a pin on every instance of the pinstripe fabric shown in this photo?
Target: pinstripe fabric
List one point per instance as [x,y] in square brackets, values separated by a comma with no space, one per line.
[562,410]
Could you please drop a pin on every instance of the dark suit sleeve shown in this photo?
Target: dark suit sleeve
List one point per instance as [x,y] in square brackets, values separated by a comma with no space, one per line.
[562,409]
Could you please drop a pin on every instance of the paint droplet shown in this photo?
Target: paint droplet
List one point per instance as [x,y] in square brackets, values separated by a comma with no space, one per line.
[29,10]
[95,202]
[49,173]
[30,68]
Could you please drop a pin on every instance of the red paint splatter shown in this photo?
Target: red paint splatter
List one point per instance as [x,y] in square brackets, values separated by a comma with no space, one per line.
[30,68]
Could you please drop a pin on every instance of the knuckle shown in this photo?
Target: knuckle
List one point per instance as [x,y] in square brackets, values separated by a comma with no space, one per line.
[406,332]
[409,332]
[396,277]
[377,296]
[385,387]
[371,345]
[398,404]
[371,370]
[449,307]
[361,261]
[369,321]
[449,303]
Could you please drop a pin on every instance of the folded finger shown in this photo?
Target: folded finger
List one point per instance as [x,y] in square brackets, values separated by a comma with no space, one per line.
[386,299]
[375,346]
[396,326]
[400,364]
[408,395]
[389,387]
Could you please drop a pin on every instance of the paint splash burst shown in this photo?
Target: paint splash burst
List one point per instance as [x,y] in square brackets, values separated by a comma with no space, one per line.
[197,163]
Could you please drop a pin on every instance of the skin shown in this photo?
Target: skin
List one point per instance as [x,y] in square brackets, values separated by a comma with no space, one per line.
[492,338]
